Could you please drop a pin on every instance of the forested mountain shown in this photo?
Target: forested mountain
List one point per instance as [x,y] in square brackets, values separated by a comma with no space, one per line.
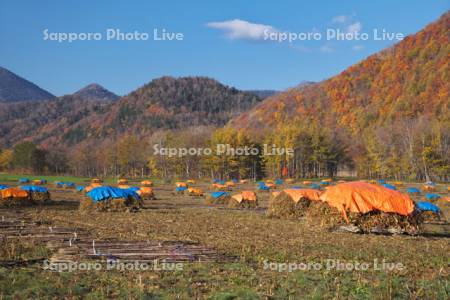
[47,121]
[95,91]
[408,80]
[388,115]
[263,93]
[164,103]
[15,88]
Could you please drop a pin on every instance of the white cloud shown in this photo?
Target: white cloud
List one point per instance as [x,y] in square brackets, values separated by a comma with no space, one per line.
[340,19]
[240,29]
[326,49]
[354,28]
[358,47]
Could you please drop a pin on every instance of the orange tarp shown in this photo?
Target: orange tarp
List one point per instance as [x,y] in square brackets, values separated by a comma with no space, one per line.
[363,197]
[219,186]
[147,183]
[243,181]
[428,188]
[327,180]
[229,183]
[96,180]
[271,185]
[91,186]
[297,194]
[191,181]
[180,184]
[145,191]
[237,197]
[13,193]
[122,181]
[123,186]
[248,195]
[195,191]
[274,194]
[307,182]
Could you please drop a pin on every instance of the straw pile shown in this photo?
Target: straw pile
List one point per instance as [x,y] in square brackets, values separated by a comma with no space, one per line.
[284,206]
[222,200]
[111,205]
[146,193]
[40,198]
[429,216]
[14,197]
[320,213]
[220,187]
[380,221]
[147,183]
[229,184]
[195,192]
[93,185]
[246,199]
[96,180]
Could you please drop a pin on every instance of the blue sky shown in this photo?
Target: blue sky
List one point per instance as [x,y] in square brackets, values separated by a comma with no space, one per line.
[222,40]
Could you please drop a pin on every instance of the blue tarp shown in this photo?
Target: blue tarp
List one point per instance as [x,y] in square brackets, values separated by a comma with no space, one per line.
[427,206]
[413,190]
[34,188]
[219,181]
[261,183]
[431,183]
[296,187]
[180,188]
[102,193]
[2,186]
[324,183]
[263,187]
[79,188]
[432,196]
[278,182]
[24,180]
[69,184]
[390,186]
[234,180]
[134,188]
[216,195]
[381,181]
[315,186]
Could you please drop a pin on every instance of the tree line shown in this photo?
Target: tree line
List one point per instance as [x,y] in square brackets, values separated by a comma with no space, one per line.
[416,149]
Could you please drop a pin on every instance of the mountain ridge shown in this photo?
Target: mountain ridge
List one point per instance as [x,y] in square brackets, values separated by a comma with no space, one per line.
[15,88]
[95,91]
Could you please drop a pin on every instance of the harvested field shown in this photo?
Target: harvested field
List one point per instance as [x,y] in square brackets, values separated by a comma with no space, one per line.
[246,235]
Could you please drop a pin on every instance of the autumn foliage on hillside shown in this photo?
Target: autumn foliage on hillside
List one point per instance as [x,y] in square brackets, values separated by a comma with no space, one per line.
[391,111]
[164,103]
[408,80]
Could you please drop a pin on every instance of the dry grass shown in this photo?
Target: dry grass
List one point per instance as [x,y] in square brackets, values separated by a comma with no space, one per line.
[254,237]
[110,205]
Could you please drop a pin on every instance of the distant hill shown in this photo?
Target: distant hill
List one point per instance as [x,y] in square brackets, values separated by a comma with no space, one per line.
[408,80]
[16,88]
[263,93]
[164,103]
[95,91]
